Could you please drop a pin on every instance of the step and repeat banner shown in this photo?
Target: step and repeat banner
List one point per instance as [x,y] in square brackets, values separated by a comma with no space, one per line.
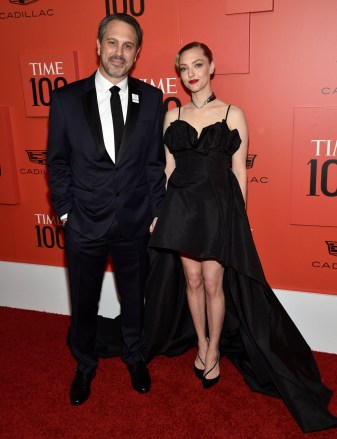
[275,59]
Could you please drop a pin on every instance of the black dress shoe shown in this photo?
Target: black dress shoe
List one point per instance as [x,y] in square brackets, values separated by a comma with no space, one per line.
[140,377]
[80,387]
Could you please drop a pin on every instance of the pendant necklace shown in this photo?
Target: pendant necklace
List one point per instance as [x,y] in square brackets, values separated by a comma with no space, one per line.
[209,99]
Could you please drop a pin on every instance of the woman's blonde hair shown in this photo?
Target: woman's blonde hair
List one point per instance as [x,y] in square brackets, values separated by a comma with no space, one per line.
[206,50]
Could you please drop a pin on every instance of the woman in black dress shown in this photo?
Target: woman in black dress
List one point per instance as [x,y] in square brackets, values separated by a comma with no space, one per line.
[202,265]
[203,229]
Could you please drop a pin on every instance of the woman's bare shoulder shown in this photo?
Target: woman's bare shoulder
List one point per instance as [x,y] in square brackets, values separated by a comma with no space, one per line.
[235,111]
[172,115]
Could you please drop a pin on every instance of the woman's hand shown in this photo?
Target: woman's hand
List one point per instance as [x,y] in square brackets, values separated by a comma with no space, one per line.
[153,225]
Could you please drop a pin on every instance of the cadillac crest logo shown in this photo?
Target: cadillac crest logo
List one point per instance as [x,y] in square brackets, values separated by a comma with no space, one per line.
[37,156]
[332,247]
[22,2]
[250,160]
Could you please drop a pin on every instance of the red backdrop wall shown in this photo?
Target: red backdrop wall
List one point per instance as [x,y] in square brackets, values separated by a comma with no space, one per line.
[275,59]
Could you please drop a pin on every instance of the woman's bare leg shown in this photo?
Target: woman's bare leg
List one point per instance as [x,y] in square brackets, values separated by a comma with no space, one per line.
[197,303]
[212,273]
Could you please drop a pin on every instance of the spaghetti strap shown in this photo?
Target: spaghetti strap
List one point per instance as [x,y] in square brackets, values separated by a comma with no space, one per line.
[179,113]
[229,106]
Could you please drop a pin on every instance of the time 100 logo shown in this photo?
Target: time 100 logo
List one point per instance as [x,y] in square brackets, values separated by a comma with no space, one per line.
[323,175]
[42,85]
[132,7]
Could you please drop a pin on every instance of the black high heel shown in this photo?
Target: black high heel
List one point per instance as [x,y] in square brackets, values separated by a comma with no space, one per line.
[199,372]
[207,383]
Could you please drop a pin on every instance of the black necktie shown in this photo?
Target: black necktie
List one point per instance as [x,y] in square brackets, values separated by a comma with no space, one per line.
[117,117]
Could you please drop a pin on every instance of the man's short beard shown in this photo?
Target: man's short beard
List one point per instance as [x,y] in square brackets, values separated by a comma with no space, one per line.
[114,73]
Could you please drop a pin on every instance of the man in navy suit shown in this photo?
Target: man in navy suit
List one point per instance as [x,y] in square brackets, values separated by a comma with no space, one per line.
[107,181]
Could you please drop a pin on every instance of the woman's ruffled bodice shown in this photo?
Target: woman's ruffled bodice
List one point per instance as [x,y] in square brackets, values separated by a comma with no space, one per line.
[181,136]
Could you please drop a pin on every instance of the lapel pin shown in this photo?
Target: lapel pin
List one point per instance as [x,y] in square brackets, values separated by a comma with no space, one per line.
[135,98]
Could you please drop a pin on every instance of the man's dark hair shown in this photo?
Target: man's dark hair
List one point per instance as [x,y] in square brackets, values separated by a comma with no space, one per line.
[126,18]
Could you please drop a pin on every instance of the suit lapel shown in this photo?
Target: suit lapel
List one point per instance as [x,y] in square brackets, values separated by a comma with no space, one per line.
[90,105]
[131,118]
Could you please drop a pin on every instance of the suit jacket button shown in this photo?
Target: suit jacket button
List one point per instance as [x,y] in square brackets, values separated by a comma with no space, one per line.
[117,195]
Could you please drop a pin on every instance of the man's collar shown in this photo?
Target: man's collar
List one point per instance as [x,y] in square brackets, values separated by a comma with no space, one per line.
[103,84]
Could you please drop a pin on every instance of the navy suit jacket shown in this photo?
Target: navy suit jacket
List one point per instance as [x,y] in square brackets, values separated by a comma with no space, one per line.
[84,182]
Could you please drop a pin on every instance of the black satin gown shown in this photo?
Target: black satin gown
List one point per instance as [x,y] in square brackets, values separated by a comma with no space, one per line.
[204,215]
